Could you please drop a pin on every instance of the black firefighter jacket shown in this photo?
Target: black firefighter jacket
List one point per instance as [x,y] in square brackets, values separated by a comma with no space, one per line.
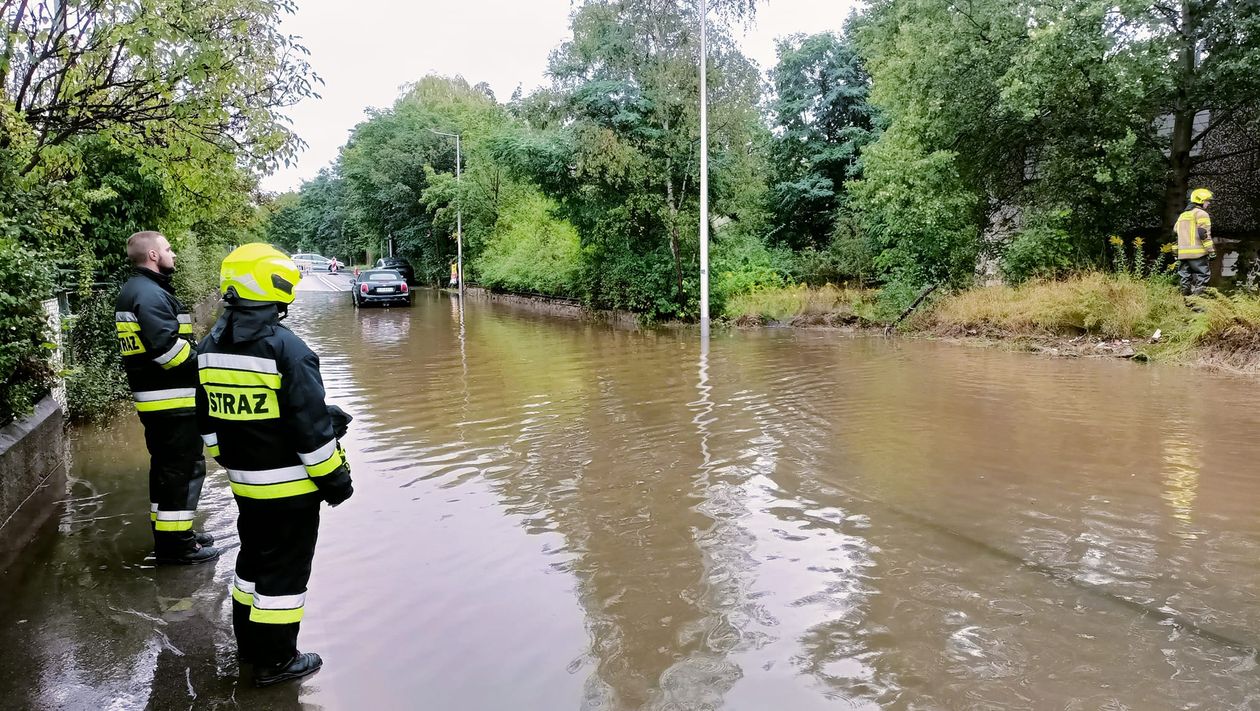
[155,335]
[262,413]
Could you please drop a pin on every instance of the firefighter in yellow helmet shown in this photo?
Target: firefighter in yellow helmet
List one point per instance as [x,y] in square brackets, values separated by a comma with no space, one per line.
[263,417]
[1195,250]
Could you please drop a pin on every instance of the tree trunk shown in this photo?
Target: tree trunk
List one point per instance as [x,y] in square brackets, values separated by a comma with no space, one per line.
[1179,162]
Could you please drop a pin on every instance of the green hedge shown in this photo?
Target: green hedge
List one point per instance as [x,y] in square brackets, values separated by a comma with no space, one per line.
[26,372]
[95,381]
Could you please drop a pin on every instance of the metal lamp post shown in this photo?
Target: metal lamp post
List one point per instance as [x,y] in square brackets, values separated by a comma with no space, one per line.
[459,215]
[704,175]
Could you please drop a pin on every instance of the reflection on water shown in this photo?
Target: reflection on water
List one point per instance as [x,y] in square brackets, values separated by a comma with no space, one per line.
[552,514]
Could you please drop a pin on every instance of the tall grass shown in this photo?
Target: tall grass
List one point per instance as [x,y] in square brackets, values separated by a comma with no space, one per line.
[1220,330]
[791,302]
[1213,327]
[1103,305]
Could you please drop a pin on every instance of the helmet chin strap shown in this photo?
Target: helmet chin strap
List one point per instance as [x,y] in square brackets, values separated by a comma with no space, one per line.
[283,310]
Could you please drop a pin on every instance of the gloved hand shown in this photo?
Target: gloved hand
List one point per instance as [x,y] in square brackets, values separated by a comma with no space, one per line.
[341,420]
[338,495]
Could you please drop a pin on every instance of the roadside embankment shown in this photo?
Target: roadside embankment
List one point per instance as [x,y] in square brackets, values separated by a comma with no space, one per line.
[1092,314]
[552,306]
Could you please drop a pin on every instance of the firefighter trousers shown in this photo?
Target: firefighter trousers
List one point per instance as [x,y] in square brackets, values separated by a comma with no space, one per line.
[1194,274]
[272,569]
[176,474]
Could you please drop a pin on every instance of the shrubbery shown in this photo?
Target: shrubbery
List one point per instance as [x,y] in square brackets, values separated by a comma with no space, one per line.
[531,251]
[95,381]
[26,373]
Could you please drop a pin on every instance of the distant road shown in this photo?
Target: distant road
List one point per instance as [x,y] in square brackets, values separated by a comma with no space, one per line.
[323,281]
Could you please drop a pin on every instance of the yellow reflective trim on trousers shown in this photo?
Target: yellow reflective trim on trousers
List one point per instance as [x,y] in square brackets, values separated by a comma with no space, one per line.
[275,617]
[213,451]
[233,402]
[242,597]
[243,378]
[179,357]
[274,491]
[174,403]
[328,465]
[152,515]
[172,525]
[185,329]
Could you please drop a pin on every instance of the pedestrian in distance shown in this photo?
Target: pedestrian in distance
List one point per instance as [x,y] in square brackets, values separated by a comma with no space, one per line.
[155,335]
[1195,249]
[262,404]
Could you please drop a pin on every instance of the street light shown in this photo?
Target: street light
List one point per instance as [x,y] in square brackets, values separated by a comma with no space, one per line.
[704,177]
[459,216]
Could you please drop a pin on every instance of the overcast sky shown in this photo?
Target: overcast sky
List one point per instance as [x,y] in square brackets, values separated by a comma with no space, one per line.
[365,50]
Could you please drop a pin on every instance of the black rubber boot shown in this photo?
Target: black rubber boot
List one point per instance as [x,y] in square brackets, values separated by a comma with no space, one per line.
[203,554]
[304,664]
[203,539]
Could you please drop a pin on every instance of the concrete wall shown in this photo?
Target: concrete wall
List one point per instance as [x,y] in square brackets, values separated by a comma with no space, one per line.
[34,457]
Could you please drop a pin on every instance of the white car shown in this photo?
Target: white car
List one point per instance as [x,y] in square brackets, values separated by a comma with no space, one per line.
[308,260]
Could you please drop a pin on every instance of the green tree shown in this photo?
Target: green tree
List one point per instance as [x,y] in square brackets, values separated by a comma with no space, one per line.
[170,80]
[822,120]
[618,149]
[1053,113]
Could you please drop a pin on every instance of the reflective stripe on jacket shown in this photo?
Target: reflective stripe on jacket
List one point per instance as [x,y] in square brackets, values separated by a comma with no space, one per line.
[155,337]
[262,412]
[1194,233]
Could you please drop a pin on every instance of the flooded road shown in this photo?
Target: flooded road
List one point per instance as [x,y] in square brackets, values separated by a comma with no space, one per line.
[557,515]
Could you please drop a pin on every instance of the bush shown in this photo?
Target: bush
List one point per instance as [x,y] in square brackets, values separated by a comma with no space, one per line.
[1038,251]
[26,372]
[197,269]
[531,251]
[615,277]
[95,381]
[741,264]
[848,259]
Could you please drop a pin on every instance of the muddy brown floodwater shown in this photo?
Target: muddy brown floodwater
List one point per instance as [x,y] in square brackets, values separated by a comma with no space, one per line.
[558,515]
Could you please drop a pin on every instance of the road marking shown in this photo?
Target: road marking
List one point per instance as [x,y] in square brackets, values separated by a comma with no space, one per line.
[323,283]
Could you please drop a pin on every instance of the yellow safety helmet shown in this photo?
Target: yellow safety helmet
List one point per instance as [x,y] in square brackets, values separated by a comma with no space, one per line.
[259,272]
[1200,196]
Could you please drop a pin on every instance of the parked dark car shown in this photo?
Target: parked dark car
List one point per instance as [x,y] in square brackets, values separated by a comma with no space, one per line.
[380,286]
[399,265]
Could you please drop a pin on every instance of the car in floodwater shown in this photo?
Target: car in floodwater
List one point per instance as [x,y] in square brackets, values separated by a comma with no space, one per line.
[380,286]
[399,265]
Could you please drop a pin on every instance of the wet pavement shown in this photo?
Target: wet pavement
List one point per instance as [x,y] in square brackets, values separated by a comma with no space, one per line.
[558,515]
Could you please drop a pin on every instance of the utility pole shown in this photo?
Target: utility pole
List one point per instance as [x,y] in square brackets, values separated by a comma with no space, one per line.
[459,214]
